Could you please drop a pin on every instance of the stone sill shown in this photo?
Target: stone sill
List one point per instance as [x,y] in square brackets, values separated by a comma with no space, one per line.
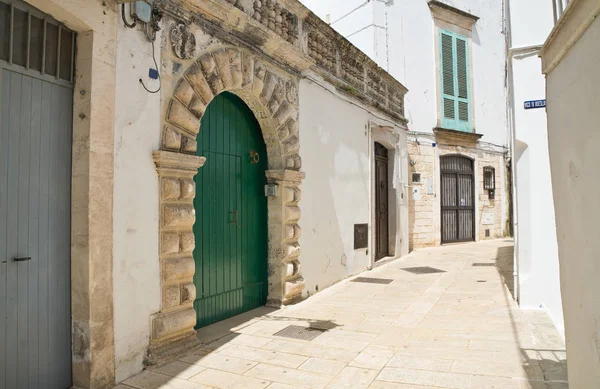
[447,136]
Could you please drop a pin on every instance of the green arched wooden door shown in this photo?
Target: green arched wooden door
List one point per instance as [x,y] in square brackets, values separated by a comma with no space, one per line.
[231,213]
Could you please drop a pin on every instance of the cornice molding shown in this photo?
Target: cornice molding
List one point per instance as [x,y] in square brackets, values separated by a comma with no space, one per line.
[452,15]
[578,17]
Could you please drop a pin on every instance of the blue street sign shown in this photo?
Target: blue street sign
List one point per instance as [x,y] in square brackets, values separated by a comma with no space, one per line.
[535,104]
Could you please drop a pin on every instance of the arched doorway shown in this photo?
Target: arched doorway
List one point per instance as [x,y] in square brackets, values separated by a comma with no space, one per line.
[382,248]
[231,213]
[458,198]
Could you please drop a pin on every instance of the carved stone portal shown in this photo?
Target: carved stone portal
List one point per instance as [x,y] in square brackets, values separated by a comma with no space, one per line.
[273,98]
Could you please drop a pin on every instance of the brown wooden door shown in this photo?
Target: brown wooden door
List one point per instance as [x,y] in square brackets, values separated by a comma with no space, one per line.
[381,202]
[458,199]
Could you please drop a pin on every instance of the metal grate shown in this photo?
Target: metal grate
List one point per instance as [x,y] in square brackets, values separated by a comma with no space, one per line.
[423,270]
[484,264]
[299,332]
[35,41]
[367,280]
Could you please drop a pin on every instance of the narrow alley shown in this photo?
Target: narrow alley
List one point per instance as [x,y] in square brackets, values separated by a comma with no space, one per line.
[438,318]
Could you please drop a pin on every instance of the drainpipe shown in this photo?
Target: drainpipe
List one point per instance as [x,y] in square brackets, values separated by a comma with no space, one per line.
[510,106]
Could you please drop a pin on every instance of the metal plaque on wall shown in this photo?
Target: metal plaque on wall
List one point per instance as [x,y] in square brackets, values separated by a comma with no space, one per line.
[361,236]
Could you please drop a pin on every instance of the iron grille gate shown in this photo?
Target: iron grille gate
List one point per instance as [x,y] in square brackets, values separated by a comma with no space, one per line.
[458,199]
[36,116]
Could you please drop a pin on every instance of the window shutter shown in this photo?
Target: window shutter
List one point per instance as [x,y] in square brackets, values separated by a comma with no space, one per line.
[448,95]
[455,82]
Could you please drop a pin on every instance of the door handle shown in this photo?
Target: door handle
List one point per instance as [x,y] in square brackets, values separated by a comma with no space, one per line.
[21,259]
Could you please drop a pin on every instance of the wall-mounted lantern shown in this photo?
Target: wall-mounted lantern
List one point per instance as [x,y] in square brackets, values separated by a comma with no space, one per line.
[489,181]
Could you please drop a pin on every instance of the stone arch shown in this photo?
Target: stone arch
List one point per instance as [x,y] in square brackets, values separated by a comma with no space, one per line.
[272,98]
[272,95]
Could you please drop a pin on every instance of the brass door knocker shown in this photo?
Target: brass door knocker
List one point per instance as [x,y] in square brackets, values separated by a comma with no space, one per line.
[254,157]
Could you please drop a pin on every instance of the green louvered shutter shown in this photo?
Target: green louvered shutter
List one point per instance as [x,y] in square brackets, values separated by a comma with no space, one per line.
[455,82]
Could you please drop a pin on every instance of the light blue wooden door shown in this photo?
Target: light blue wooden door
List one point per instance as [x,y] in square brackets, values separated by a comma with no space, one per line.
[35,214]
[36,116]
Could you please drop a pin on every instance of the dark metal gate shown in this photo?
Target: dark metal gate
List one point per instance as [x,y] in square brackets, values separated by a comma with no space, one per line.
[381,202]
[458,199]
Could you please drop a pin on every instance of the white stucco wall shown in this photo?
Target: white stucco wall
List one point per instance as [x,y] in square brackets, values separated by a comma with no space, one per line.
[536,248]
[401,39]
[136,267]
[573,136]
[335,140]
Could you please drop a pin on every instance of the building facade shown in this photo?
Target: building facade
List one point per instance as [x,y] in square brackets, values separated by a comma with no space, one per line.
[570,58]
[451,55]
[203,158]
[537,276]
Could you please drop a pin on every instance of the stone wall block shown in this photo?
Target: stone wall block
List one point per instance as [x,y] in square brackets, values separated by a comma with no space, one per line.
[180,116]
[291,145]
[290,128]
[290,269]
[188,293]
[166,324]
[188,242]
[222,59]
[188,189]
[247,71]
[292,214]
[171,139]
[171,296]
[197,80]
[170,189]
[284,131]
[260,74]
[189,145]
[184,92]
[276,97]
[169,243]
[292,232]
[293,288]
[291,195]
[179,216]
[197,107]
[178,268]
[285,112]
[269,85]
[292,250]
[293,162]
[235,64]
[211,74]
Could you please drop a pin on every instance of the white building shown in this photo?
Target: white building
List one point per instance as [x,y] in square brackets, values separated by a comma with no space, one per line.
[138,208]
[536,252]
[501,72]
[458,45]
[570,61]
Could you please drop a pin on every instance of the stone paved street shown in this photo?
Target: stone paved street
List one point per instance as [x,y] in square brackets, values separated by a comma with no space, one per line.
[459,328]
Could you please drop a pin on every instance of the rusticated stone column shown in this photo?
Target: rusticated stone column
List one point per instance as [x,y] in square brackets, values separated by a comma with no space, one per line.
[177,317]
[285,276]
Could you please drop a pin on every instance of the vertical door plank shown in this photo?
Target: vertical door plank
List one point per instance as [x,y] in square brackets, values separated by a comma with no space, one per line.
[23,233]
[13,222]
[35,121]
[4,136]
[44,229]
